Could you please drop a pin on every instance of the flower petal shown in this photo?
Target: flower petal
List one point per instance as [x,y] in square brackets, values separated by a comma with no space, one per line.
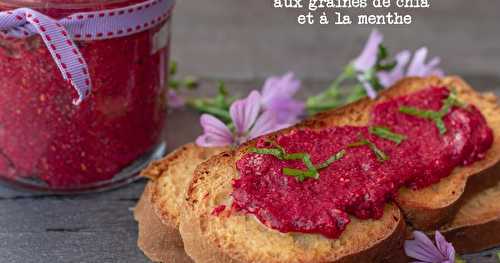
[368,56]
[422,248]
[280,87]
[387,79]
[287,110]
[205,140]
[417,65]
[446,248]
[244,112]
[370,90]
[265,124]
[215,132]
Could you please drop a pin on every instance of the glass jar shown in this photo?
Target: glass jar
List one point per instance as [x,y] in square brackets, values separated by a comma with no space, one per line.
[46,142]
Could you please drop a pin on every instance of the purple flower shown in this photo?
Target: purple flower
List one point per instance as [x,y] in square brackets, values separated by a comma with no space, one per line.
[277,97]
[417,67]
[248,121]
[365,62]
[174,100]
[424,250]
[368,57]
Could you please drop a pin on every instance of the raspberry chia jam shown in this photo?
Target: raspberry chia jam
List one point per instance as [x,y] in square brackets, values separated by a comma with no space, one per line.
[48,143]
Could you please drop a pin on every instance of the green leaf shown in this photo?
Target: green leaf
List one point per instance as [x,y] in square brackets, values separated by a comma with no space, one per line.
[386,133]
[381,156]
[190,82]
[440,125]
[498,256]
[386,66]
[310,166]
[450,101]
[426,114]
[331,160]
[312,170]
[357,92]
[458,259]
[275,152]
[221,87]
[172,68]
[205,107]
[358,143]
[173,84]
[294,156]
[382,53]
[301,175]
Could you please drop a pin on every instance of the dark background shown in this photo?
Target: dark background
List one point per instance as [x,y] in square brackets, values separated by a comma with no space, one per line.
[242,42]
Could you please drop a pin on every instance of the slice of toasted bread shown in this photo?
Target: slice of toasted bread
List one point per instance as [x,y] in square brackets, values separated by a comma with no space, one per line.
[235,237]
[476,226]
[159,208]
[435,205]
[159,242]
[171,176]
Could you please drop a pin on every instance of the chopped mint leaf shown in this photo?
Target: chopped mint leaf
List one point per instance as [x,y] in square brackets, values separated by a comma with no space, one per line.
[331,160]
[381,156]
[312,170]
[435,116]
[275,152]
[426,114]
[386,133]
[301,175]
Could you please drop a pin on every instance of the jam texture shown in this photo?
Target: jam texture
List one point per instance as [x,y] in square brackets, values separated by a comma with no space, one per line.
[43,135]
[360,183]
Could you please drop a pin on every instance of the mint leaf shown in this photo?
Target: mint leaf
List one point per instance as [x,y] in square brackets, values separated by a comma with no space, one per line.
[386,133]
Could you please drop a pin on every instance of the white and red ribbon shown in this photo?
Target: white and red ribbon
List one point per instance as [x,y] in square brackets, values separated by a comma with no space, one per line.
[59,35]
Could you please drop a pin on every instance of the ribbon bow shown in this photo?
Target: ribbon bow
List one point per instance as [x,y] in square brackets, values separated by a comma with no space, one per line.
[59,35]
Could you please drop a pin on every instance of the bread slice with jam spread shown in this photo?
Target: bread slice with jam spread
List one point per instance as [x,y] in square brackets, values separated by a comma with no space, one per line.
[230,236]
[234,237]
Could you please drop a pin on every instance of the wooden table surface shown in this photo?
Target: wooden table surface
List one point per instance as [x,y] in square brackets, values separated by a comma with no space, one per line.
[241,42]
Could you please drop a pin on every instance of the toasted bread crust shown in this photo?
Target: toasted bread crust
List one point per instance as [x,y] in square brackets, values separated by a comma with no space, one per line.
[158,209]
[236,237]
[171,176]
[159,242]
[476,226]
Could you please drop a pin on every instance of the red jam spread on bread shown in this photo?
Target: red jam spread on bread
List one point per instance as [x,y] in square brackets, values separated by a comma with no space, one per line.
[411,141]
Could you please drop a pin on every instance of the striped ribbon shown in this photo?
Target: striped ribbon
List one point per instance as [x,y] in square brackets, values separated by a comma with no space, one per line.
[59,35]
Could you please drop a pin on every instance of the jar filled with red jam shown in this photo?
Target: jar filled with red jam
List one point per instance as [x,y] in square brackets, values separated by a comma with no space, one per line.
[46,142]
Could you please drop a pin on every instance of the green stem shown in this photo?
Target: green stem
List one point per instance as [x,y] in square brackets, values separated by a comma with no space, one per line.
[330,98]
[203,107]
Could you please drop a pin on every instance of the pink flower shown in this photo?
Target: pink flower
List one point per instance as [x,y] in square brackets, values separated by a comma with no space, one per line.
[174,100]
[424,250]
[248,120]
[368,57]
[417,67]
[277,97]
